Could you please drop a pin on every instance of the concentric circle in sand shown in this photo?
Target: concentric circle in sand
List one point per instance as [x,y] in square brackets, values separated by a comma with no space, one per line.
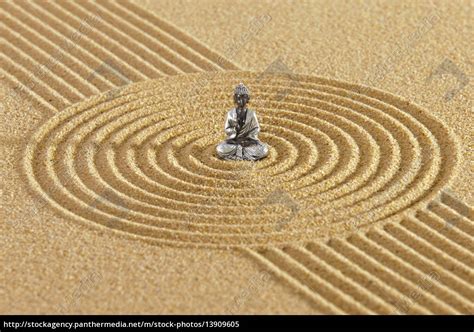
[142,160]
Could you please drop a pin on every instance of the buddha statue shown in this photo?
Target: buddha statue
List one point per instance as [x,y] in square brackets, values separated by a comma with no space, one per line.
[241,128]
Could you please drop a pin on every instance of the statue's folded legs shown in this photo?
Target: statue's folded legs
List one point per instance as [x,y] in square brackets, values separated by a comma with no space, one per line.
[242,128]
[233,151]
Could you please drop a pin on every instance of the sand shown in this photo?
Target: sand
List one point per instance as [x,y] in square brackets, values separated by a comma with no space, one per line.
[113,200]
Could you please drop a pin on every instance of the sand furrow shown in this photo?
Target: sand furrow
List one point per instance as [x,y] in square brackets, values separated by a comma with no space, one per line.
[270,259]
[22,90]
[93,46]
[187,40]
[122,31]
[64,44]
[375,286]
[452,218]
[292,264]
[33,67]
[428,243]
[85,50]
[114,40]
[41,49]
[446,292]
[347,295]
[78,32]
[373,265]
[183,57]
[29,81]
[98,43]
[171,62]
[451,234]
[449,300]
[463,290]
[457,205]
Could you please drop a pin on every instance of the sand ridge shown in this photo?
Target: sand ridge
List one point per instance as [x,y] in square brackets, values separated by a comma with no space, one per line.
[59,52]
[385,270]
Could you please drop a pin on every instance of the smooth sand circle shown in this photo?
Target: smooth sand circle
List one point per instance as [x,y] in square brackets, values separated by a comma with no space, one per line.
[140,161]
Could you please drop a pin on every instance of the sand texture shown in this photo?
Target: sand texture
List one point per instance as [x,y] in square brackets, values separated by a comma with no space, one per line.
[113,199]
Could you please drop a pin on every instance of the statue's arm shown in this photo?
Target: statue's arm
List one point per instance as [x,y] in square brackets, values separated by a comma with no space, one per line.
[253,133]
[230,127]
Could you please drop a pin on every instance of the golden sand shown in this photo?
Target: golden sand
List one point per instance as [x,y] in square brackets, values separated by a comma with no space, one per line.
[113,200]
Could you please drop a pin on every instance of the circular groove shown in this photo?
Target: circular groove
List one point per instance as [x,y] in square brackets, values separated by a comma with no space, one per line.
[142,162]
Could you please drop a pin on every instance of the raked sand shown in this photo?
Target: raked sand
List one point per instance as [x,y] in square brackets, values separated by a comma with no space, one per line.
[113,200]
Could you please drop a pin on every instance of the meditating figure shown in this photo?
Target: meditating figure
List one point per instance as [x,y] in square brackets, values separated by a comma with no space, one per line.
[241,128]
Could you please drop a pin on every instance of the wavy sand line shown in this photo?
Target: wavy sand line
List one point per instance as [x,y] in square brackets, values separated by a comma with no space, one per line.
[461,288]
[187,40]
[123,45]
[428,247]
[143,44]
[321,303]
[185,58]
[431,232]
[295,265]
[447,212]
[152,128]
[369,291]
[53,100]
[114,39]
[389,274]
[392,255]
[34,31]
[17,80]
[40,56]
[447,300]
[160,197]
[47,77]
[458,206]
[60,27]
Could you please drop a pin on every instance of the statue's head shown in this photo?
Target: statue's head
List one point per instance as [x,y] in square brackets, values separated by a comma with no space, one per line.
[241,95]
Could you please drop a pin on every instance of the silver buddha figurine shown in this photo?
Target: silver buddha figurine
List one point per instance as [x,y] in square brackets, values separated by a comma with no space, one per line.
[241,128]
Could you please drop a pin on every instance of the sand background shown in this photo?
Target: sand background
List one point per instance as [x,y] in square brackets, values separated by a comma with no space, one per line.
[51,263]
